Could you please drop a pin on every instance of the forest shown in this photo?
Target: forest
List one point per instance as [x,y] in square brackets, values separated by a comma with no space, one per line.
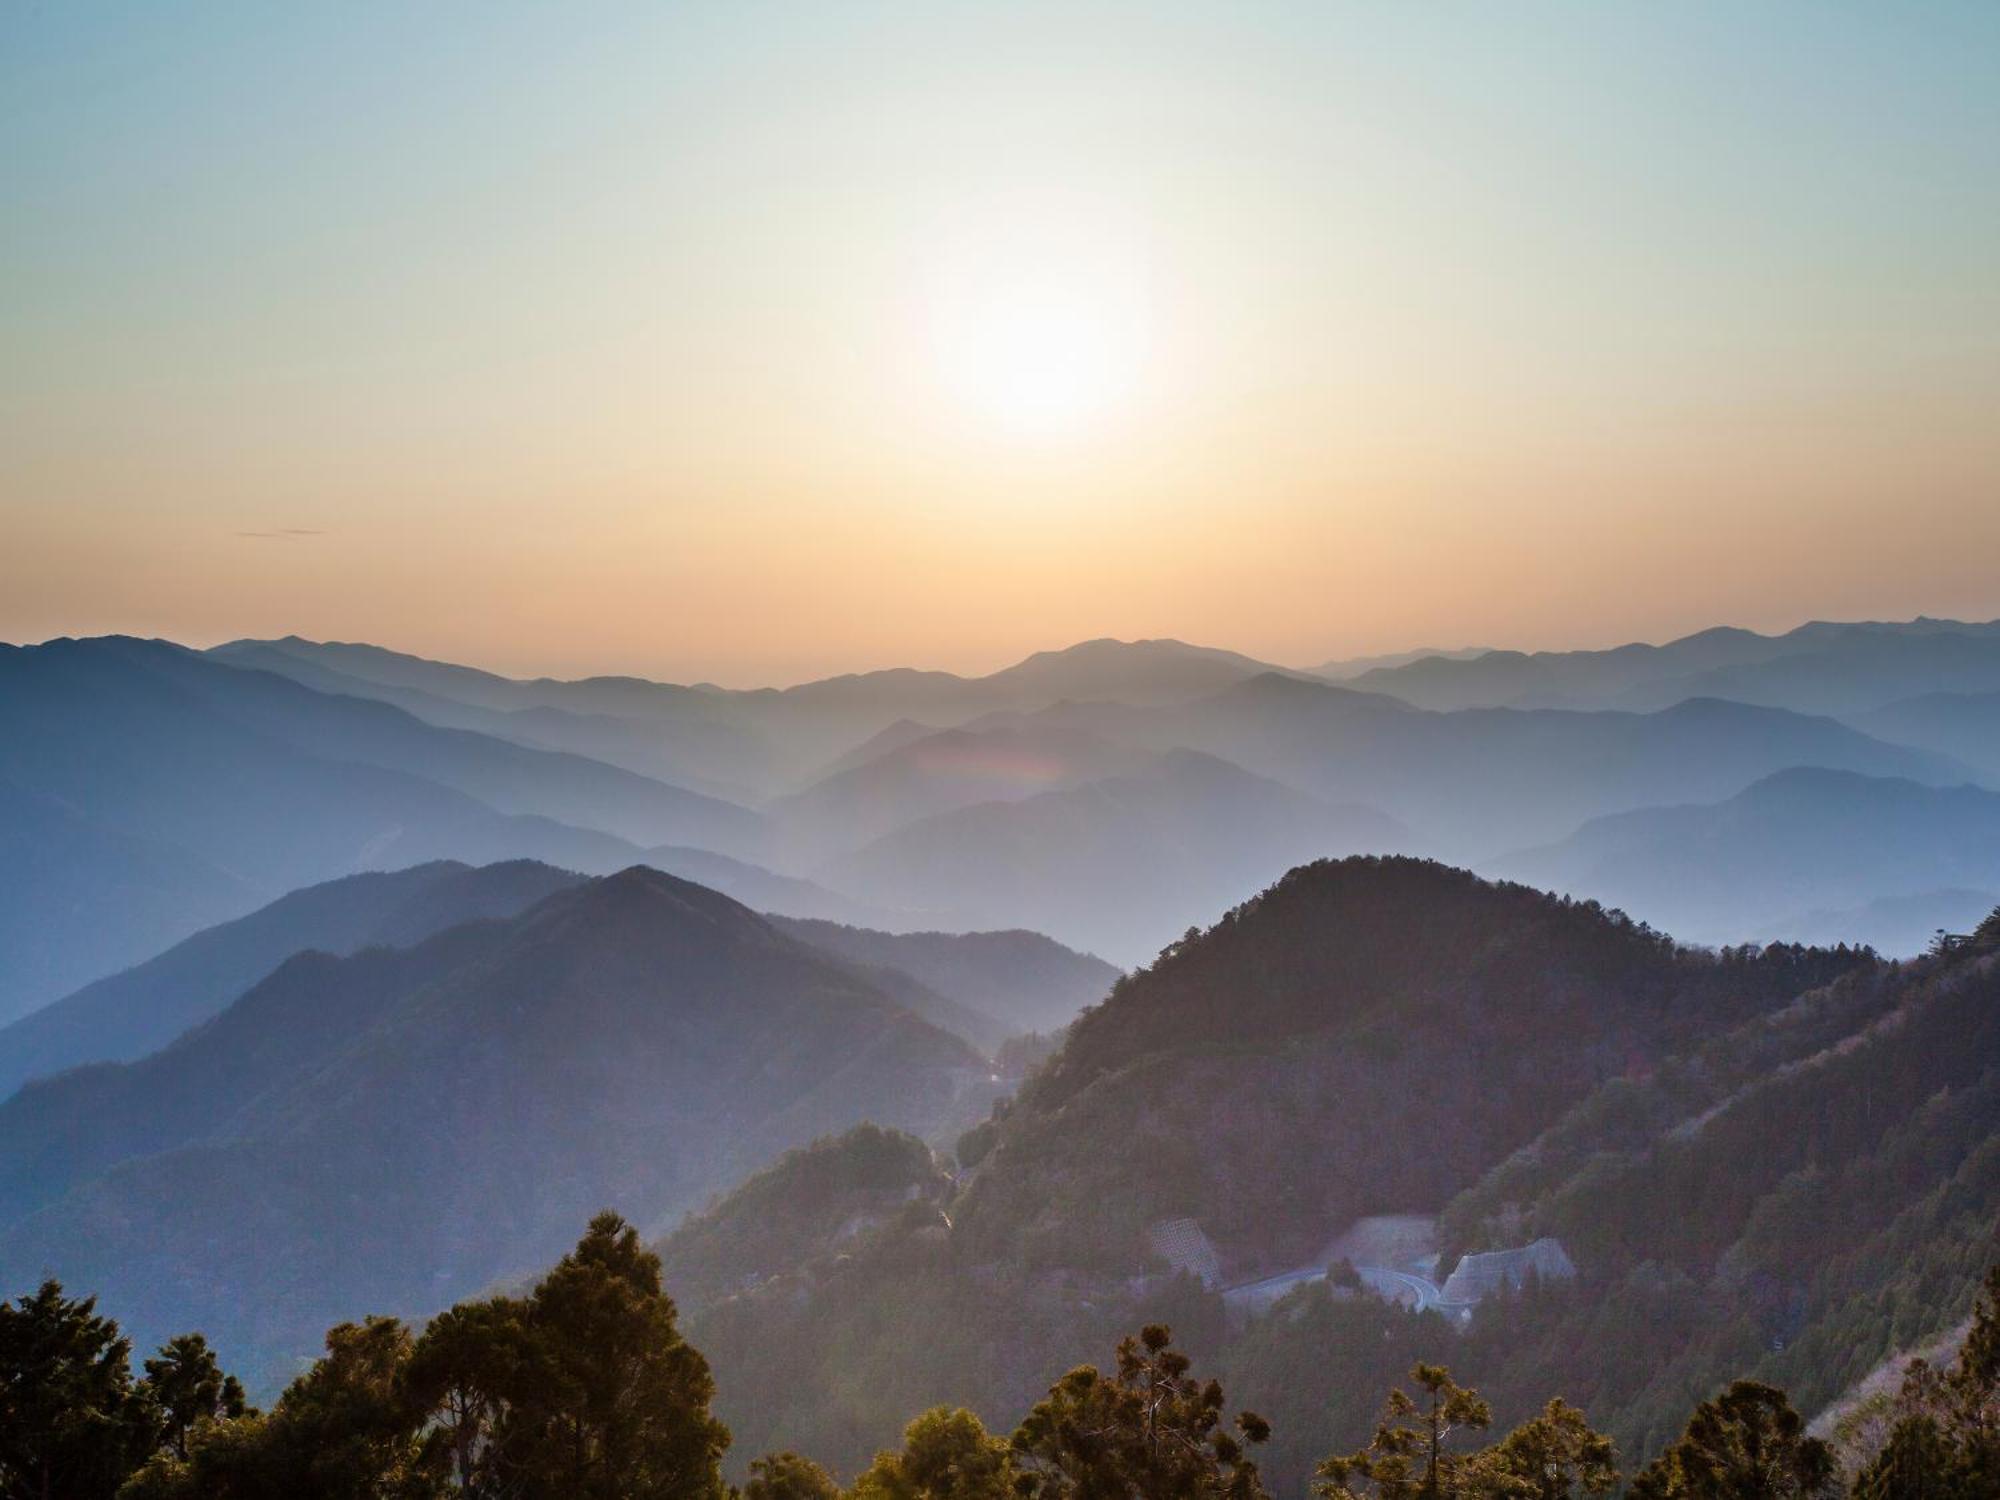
[585,1388]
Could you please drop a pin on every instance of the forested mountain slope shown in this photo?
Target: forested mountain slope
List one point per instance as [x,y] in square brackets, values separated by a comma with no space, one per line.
[145,1007]
[1369,1035]
[400,1127]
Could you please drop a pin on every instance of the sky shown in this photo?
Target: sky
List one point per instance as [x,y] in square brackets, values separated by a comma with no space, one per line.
[752,342]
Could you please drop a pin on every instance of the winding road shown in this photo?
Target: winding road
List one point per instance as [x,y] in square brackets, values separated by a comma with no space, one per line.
[1395,1286]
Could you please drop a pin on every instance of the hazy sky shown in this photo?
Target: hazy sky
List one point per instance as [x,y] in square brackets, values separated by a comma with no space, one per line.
[755,341]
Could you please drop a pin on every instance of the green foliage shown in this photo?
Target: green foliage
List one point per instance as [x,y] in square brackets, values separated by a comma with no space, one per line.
[1554,1455]
[584,1390]
[1745,1444]
[796,1210]
[1945,1444]
[1411,1455]
[72,1424]
[1550,1457]
[947,1454]
[472,1365]
[1149,1431]
[1316,1367]
[1246,1076]
[1919,1462]
[615,1403]
[344,1430]
[186,1386]
[787,1476]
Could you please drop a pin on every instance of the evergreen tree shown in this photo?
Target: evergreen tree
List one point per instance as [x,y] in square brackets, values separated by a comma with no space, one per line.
[1978,1370]
[466,1371]
[186,1386]
[1410,1456]
[1148,1432]
[344,1430]
[1746,1444]
[1919,1462]
[947,1454]
[787,1476]
[1554,1456]
[612,1403]
[72,1424]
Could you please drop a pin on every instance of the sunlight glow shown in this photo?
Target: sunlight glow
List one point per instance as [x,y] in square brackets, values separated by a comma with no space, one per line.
[1040,334]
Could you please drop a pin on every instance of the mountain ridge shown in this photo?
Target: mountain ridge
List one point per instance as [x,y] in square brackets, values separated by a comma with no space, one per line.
[640,1040]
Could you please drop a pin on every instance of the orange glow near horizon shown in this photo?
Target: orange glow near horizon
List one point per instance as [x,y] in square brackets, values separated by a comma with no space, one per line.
[708,350]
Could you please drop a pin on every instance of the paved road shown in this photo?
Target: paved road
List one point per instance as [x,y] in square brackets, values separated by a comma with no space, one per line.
[1406,1286]
[1396,1286]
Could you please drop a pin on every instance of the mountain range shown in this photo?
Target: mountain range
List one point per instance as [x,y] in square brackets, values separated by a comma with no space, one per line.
[1776,858]
[1825,667]
[203,791]
[1476,784]
[401,1126]
[154,791]
[141,1009]
[1389,1037]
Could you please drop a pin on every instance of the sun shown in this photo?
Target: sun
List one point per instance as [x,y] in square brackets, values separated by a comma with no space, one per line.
[1040,341]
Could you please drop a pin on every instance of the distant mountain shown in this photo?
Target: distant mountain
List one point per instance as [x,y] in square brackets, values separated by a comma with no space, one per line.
[354,661]
[1896,926]
[1820,668]
[1022,980]
[1480,783]
[1771,860]
[1158,671]
[767,891]
[509,777]
[77,895]
[140,758]
[1963,725]
[894,737]
[1346,668]
[1119,865]
[403,1126]
[681,736]
[142,1009]
[769,738]
[936,774]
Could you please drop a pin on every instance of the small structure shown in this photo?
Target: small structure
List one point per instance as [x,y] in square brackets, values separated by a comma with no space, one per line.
[1480,1276]
[1984,937]
[1183,1244]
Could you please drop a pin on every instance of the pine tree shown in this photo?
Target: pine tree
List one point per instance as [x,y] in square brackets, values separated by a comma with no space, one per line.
[466,1372]
[1147,1432]
[1553,1456]
[947,1454]
[72,1424]
[787,1476]
[1919,1462]
[613,1403]
[186,1386]
[1746,1444]
[1410,1457]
